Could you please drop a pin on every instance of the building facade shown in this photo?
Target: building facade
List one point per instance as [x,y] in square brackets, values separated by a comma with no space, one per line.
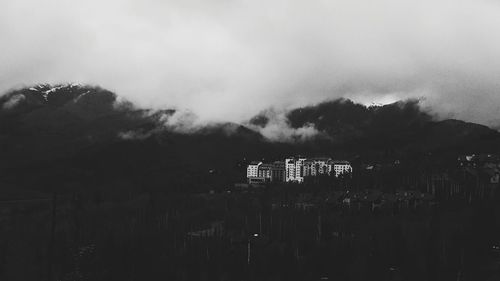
[317,166]
[264,171]
[341,167]
[278,171]
[253,169]
[295,169]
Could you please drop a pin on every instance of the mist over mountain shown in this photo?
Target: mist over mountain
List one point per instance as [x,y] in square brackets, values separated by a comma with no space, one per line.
[226,62]
[401,125]
[76,132]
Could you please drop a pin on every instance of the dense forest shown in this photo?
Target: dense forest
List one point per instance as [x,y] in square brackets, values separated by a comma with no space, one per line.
[284,232]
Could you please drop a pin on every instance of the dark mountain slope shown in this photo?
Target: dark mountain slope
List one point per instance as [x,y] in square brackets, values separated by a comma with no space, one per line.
[50,135]
[399,126]
[57,136]
[46,122]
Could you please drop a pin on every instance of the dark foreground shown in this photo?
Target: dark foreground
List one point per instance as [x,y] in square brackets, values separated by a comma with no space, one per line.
[281,233]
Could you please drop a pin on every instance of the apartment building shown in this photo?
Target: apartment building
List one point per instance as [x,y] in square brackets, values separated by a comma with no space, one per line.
[253,169]
[295,169]
[341,167]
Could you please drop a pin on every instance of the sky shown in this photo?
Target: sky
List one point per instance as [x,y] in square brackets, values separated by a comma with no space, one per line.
[227,60]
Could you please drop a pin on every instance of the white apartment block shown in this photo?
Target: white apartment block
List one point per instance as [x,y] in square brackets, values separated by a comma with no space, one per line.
[294,168]
[253,169]
[317,166]
[265,171]
[341,167]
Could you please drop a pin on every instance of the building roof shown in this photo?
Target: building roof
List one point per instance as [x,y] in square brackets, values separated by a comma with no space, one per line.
[255,163]
[320,159]
[296,158]
[341,162]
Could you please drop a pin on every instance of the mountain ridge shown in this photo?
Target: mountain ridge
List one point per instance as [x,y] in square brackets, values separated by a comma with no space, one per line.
[65,131]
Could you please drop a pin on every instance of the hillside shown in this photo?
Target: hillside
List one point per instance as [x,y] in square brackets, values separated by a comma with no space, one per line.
[52,136]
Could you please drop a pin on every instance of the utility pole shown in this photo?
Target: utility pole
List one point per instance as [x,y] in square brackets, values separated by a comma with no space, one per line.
[260,222]
[52,238]
[248,252]
[319,228]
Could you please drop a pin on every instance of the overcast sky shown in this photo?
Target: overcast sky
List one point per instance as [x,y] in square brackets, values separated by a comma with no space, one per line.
[227,60]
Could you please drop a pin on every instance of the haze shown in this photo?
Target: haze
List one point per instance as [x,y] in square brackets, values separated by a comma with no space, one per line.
[228,60]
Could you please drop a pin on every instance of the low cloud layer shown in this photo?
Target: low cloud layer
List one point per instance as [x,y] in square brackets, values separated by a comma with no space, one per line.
[275,126]
[228,60]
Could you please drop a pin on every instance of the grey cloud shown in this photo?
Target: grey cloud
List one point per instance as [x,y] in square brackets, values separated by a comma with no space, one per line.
[277,128]
[13,101]
[228,60]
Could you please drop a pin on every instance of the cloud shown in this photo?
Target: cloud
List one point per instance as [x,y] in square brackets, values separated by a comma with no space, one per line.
[13,101]
[279,131]
[274,126]
[227,60]
[134,135]
[182,121]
